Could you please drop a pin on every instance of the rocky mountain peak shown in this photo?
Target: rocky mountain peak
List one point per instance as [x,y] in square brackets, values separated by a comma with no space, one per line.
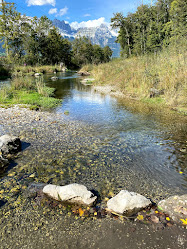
[101,35]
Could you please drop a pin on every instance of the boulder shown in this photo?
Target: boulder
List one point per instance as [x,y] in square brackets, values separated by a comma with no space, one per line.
[37,74]
[84,73]
[175,207]
[9,144]
[3,163]
[127,202]
[74,193]
[54,78]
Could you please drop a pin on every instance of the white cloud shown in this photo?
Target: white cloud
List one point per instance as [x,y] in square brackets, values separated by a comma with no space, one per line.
[62,12]
[41,2]
[87,15]
[52,11]
[88,24]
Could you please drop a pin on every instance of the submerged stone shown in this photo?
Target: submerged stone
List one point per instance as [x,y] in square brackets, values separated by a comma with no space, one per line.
[3,163]
[54,78]
[75,193]
[129,202]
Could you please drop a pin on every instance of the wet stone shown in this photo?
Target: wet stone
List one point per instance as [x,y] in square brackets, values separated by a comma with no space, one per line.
[74,193]
[128,202]
[175,206]
[9,144]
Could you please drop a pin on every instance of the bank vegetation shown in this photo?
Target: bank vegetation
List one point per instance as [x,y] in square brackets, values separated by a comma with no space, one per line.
[153,44]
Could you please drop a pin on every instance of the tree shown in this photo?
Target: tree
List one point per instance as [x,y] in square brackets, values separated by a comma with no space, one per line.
[55,49]
[125,33]
[82,50]
[10,27]
[107,53]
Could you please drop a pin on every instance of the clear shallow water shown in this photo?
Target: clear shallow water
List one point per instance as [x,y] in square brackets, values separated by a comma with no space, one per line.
[146,139]
[108,145]
[126,144]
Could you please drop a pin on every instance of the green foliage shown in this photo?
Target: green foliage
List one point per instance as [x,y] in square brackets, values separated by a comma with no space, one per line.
[31,41]
[151,28]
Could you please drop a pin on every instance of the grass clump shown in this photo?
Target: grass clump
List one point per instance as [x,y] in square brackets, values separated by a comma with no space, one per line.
[28,91]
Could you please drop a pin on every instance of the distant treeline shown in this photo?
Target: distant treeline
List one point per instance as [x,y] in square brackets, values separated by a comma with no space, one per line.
[151,28]
[35,41]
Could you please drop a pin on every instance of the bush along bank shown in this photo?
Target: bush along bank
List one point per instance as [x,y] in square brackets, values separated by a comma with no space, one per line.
[20,71]
[155,78]
[28,91]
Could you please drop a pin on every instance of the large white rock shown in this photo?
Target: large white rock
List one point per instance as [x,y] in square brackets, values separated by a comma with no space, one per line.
[127,202]
[9,144]
[75,193]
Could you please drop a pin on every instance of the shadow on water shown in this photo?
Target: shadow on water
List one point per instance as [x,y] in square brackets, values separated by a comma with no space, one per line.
[12,164]
[24,145]
[2,203]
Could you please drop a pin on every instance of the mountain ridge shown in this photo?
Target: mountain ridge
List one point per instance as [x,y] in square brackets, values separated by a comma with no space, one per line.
[101,35]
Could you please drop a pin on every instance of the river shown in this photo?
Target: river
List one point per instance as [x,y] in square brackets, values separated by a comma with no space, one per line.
[139,142]
[105,143]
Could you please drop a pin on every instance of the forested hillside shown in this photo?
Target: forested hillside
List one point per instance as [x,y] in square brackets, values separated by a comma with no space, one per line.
[151,28]
[35,41]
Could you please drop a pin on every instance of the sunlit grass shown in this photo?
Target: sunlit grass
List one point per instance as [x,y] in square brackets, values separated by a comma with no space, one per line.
[28,91]
[165,71]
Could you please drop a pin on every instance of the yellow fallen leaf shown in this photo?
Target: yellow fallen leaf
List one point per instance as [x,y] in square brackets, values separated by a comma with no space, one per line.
[111,194]
[156,212]
[32,176]
[140,217]
[81,212]
[167,218]
[11,174]
[184,222]
[180,172]
[14,189]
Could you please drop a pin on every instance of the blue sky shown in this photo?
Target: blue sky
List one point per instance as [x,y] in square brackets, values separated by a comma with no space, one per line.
[79,12]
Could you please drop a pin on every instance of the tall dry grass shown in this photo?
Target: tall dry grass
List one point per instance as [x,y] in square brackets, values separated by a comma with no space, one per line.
[165,71]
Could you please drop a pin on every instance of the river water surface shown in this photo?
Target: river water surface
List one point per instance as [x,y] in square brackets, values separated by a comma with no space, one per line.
[147,143]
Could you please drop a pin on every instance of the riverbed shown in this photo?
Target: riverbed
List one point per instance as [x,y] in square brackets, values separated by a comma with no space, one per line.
[105,143]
